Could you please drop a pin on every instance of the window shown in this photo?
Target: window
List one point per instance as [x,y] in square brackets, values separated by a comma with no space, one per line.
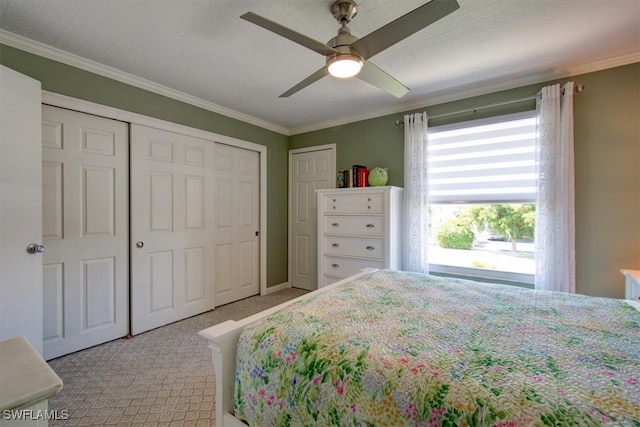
[482,192]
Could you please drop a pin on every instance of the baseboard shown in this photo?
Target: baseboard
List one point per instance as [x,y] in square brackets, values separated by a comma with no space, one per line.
[276,288]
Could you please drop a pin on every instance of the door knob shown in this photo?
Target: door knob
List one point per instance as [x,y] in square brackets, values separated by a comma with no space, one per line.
[139,245]
[34,248]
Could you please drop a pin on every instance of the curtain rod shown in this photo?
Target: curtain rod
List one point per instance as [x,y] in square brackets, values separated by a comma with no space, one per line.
[578,89]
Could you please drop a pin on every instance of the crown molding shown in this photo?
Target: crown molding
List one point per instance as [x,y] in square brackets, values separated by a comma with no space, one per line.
[453,95]
[482,89]
[40,49]
[49,52]
[616,61]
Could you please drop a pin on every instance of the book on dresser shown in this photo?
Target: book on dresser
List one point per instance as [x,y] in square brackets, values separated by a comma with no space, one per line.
[358,228]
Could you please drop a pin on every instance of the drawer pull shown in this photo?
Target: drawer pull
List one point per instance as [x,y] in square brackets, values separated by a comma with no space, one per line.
[334,200]
[335,245]
[368,199]
[368,207]
[335,265]
[334,207]
[370,226]
[335,224]
[370,248]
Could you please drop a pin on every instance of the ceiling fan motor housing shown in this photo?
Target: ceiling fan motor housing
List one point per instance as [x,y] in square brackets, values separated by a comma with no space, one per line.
[343,39]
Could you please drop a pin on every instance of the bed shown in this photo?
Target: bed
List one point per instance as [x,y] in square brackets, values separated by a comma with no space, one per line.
[392,348]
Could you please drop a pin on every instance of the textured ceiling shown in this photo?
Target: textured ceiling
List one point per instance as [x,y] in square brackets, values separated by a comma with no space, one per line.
[202,48]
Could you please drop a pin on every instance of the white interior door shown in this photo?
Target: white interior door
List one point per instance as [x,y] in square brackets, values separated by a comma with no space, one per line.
[20,208]
[310,169]
[237,204]
[171,227]
[85,228]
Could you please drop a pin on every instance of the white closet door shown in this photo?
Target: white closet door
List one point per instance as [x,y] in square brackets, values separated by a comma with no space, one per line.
[171,227]
[20,208]
[85,229]
[237,202]
[310,170]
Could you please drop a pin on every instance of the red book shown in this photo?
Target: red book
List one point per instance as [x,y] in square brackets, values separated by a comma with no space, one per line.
[363,177]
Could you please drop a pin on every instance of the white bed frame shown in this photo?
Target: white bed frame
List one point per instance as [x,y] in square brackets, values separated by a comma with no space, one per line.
[223,339]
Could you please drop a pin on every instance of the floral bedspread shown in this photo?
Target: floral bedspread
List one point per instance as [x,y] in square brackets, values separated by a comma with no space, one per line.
[403,349]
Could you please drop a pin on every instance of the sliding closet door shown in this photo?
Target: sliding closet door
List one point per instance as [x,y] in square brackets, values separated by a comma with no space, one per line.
[85,230]
[237,203]
[171,227]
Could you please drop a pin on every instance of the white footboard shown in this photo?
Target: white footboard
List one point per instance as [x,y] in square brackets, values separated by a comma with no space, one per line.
[223,340]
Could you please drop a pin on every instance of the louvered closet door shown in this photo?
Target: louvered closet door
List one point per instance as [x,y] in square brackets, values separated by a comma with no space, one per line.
[85,230]
[171,227]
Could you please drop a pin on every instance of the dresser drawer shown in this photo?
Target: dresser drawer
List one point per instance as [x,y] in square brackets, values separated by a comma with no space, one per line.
[354,203]
[362,225]
[353,246]
[345,267]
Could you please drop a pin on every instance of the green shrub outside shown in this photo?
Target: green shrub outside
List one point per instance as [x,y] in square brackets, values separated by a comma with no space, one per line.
[455,236]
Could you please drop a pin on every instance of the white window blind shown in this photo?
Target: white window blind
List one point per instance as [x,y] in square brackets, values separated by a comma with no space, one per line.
[484,161]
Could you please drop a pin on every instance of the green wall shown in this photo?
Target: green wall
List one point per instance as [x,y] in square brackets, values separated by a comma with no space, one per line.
[64,79]
[607,162]
[607,154]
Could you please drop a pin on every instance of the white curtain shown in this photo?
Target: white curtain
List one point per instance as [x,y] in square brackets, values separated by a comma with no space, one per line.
[416,192]
[555,209]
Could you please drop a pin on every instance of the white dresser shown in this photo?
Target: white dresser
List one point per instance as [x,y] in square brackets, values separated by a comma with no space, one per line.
[358,228]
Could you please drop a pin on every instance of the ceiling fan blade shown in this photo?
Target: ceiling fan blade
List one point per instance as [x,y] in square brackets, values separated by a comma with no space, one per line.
[285,32]
[306,82]
[414,21]
[380,79]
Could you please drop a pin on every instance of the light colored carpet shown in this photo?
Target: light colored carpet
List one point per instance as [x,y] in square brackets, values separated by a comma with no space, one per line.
[163,377]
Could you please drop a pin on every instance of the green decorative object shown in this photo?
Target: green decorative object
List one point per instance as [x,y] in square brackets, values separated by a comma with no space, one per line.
[378,177]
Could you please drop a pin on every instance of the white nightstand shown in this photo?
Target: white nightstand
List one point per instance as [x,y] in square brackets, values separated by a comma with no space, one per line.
[632,284]
[26,384]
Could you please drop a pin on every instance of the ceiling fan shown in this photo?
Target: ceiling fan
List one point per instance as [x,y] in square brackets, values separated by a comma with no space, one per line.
[347,55]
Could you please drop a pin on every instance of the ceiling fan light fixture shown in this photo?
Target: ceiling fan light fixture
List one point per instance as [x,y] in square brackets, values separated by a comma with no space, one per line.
[344,65]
